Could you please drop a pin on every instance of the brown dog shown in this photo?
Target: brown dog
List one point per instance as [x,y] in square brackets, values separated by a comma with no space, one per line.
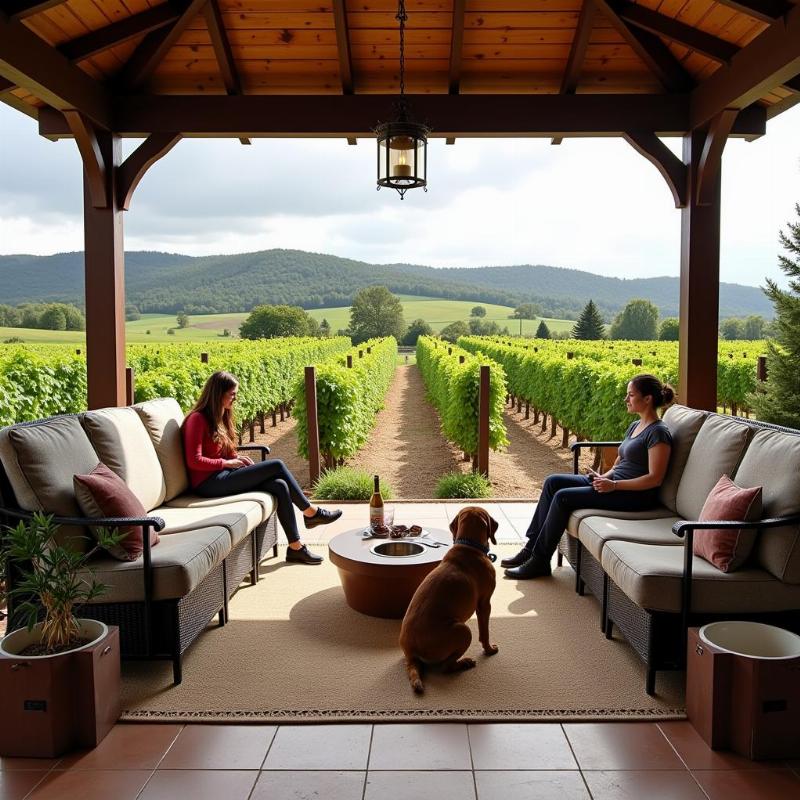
[434,629]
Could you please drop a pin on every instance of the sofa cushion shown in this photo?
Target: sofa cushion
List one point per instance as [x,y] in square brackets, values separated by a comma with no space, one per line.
[773,460]
[102,493]
[716,451]
[239,517]
[595,532]
[650,575]
[180,562]
[684,424]
[123,444]
[575,519]
[728,549]
[163,419]
[266,501]
[41,460]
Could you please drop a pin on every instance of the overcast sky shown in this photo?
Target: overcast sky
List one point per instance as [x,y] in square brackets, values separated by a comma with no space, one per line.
[591,204]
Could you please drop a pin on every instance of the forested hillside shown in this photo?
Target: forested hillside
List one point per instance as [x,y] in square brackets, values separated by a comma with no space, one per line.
[168,283]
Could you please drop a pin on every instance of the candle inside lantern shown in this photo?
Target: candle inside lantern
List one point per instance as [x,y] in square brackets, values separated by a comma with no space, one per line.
[402,171]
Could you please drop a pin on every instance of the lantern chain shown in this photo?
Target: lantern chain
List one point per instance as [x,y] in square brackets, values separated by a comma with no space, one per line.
[402,17]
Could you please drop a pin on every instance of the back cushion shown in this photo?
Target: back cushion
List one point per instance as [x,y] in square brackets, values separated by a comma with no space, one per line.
[43,458]
[773,461]
[123,444]
[715,452]
[163,419]
[684,424]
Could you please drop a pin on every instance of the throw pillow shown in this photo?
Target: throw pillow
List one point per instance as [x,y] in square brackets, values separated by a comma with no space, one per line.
[728,549]
[102,493]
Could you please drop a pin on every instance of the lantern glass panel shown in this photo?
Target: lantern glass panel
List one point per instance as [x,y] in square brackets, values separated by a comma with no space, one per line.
[401,158]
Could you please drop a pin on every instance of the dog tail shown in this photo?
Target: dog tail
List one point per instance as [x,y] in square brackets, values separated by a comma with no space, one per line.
[414,670]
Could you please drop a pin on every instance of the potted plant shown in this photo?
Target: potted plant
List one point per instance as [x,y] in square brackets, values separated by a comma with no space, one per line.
[59,675]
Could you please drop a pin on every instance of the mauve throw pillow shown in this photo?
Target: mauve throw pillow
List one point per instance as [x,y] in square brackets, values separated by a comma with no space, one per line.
[728,549]
[102,493]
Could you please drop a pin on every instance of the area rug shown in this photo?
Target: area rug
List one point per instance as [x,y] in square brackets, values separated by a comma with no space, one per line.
[293,651]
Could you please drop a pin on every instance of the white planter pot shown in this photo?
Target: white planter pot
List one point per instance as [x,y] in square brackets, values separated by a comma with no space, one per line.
[14,643]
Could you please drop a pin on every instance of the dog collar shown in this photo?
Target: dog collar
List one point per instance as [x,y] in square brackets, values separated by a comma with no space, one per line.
[485,550]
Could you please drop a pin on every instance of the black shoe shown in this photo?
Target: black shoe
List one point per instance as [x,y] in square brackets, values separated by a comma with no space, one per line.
[302,556]
[322,517]
[534,567]
[518,560]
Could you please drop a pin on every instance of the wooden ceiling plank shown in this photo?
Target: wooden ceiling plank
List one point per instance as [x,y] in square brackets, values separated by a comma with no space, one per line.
[763,10]
[29,62]
[153,47]
[650,49]
[456,47]
[767,62]
[222,48]
[22,9]
[343,46]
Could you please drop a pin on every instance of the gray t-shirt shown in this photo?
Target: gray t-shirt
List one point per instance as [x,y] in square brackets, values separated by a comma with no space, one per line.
[633,456]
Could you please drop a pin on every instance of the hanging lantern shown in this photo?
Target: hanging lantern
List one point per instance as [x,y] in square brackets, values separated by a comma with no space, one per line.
[402,144]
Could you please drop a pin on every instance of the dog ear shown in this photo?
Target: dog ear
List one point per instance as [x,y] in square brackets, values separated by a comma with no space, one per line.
[493,526]
[454,525]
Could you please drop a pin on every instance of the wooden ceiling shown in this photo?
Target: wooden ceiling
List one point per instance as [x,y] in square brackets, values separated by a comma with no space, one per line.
[336,47]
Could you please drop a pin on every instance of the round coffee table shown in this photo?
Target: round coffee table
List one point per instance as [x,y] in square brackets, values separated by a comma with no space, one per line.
[383,585]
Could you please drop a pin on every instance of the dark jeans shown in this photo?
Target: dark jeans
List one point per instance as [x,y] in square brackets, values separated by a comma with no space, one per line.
[265,476]
[563,494]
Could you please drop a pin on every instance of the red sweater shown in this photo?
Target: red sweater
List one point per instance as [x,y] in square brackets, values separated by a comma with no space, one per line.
[203,455]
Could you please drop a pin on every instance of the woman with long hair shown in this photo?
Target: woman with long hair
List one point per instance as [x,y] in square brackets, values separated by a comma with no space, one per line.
[217,470]
[630,485]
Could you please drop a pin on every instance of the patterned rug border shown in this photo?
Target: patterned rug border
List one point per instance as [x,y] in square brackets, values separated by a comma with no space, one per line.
[288,716]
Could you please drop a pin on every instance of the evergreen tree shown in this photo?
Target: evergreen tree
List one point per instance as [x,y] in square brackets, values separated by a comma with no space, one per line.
[325,327]
[543,332]
[590,323]
[638,321]
[778,400]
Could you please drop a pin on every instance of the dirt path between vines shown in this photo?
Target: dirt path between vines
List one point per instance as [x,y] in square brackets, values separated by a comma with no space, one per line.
[407,449]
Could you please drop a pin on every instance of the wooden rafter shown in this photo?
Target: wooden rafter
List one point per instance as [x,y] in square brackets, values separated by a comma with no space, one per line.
[94,167]
[764,10]
[20,9]
[456,47]
[132,170]
[155,45]
[577,53]
[343,46]
[673,170]
[655,54]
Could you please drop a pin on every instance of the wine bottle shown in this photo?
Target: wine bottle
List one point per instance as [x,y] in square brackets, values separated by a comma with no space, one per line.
[376,505]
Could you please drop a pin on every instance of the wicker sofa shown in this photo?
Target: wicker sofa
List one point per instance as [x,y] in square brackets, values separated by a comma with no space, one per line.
[162,601]
[640,565]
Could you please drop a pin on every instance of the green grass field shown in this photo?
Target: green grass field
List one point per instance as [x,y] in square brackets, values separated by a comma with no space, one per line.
[436,312]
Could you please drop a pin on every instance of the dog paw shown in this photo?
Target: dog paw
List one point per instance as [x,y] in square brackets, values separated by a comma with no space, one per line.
[417,687]
[466,663]
[491,649]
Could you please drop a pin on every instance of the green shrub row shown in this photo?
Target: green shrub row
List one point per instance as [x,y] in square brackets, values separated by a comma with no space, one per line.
[348,399]
[453,388]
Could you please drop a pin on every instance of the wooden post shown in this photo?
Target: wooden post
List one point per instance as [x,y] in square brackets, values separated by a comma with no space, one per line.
[535,415]
[204,358]
[130,385]
[527,410]
[252,430]
[761,368]
[282,408]
[274,418]
[637,362]
[77,352]
[461,359]
[565,437]
[570,354]
[552,425]
[261,421]
[361,354]
[350,362]
[312,424]
[449,351]
[544,421]
[483,423]
[519,405]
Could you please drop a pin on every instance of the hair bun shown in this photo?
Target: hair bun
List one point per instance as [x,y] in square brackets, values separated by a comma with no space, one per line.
[668,393]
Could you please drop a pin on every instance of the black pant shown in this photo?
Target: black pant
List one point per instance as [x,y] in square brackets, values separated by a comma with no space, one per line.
[265,476]
[563,494]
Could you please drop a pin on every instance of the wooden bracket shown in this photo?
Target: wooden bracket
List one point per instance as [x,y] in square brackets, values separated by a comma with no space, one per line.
[711,156]
[132,170]
[94,165]
[674,171]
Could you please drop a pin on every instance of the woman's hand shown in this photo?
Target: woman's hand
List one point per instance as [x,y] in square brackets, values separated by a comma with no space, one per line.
[246,461]
[603,485]
[235,463]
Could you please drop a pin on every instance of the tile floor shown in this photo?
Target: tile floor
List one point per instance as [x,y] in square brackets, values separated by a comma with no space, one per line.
[535,761]
[441,761]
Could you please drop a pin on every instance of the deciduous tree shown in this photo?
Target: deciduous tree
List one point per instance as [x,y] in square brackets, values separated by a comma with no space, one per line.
[637,321]
[376,312]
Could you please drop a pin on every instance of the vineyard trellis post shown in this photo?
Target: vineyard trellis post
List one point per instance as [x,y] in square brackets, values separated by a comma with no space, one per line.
[761,368]
[130,385]
[312,424]
[483,422]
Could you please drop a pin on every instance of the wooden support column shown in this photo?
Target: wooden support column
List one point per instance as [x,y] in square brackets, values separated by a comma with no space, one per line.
[699,283]
[483,423]
[105,280]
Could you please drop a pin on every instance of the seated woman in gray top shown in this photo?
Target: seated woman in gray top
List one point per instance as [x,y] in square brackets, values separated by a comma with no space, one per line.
[630,485]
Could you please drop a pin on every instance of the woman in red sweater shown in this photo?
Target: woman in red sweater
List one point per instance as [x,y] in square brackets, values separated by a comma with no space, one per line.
[216,470]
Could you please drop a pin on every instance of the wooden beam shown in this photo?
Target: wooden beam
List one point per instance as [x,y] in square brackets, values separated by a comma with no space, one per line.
[783,105]
[19,104]
[763,10]
[20,9]
[456,47]
[132,170]
[94,168]
[351,140]
[771,59]
[29,62]
[673,170]
[343,46]
[710,162]
[222,48]
[655,54]
[155,45]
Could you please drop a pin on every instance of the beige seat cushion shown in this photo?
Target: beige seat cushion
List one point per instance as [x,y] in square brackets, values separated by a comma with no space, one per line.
[163,419]
[266,501]
[773,461]
[40,461]
[124,446]
[180,562]
[684,424]
[650,575]
[238,517]
[575,519]
[595,532]
[716,451]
